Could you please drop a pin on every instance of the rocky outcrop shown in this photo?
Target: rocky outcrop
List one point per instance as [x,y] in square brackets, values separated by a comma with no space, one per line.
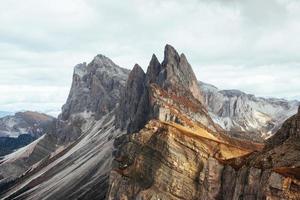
[274,172]
[174,73]
[167,161]
[146,94]
[95,92]
[290,129]
[245,115]
[181,154]
[170,161]
[133,111]
[95,89]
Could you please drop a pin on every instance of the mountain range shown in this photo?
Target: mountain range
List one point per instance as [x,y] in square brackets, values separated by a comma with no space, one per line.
[158,135]
[245,115]
[21,129]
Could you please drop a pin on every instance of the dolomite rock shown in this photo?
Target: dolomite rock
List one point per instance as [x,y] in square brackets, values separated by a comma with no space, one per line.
[245,115]
[95,89]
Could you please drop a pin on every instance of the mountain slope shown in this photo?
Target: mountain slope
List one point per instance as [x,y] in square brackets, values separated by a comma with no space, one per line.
[24,123]
[246,115]
[22,128]
[74,158]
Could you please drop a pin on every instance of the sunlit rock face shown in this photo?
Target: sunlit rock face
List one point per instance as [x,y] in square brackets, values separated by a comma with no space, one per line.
[181,154]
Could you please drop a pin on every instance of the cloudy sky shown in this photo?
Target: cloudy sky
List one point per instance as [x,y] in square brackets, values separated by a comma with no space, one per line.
[251,45]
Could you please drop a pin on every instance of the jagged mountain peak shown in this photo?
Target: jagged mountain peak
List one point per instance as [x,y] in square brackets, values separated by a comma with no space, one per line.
[174,72]
[95,88]
[171,83]
[136,70]
[177,72]
[170,54]
[102,60]
[132,112]
[153,70]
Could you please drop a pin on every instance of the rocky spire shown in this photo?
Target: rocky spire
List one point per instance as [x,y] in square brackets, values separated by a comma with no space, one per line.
[174,72]
[174,75]
[154,70]
[132,112]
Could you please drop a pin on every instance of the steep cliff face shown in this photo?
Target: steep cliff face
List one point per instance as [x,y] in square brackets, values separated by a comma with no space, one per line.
[133,112]
[166,84]
[73,160]
[95,92]
[95,89]
[245,115]
[166,160]
[181,154]
[174,73]
[274,172]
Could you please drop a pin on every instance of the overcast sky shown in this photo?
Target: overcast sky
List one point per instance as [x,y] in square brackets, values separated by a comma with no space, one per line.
[251,45]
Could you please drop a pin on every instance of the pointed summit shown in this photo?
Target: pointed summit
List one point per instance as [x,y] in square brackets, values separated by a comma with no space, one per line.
[153,70]
[178,73]
[103,62]
[145,94]
[136,73]
[170,54]
[132,112]
[95,88]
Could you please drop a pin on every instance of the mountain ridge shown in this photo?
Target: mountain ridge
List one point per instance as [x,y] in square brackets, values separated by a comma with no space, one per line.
[239,112]
[147,137]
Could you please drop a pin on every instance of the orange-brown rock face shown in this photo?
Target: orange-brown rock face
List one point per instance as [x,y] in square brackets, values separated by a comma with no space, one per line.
[167,160]
[179,153]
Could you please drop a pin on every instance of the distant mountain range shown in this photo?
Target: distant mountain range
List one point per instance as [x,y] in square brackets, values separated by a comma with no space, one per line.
[246,115]
[22,128]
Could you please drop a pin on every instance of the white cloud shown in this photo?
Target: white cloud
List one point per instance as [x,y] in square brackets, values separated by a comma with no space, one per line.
[249,45]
